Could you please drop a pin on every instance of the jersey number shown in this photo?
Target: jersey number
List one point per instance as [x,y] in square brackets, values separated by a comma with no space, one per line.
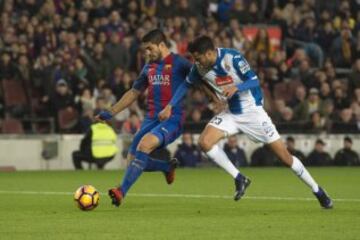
[216,120]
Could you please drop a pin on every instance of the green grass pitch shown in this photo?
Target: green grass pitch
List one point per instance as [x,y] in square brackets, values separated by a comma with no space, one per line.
[39,205]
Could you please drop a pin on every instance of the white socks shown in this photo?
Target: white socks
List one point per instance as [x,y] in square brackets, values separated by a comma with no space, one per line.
[219,156]
[299,169]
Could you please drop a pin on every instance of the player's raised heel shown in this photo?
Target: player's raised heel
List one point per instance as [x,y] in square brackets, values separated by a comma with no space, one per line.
[170,176]
[240,187]
[116,196]
[324,200]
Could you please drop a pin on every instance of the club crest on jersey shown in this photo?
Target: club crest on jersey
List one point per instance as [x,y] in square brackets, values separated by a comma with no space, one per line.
[167,67]
[223,80]
[159,79]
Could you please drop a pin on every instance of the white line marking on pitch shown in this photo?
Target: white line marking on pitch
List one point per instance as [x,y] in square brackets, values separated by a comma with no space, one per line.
[156,195]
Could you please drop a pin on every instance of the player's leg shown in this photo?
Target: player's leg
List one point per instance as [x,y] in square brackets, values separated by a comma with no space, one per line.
[219,127]
[147,144]
[208,143]
[259,127]
[279,148]
[145,128]
[163,134]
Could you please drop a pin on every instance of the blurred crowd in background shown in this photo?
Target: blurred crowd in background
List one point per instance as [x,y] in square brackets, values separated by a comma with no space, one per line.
[64,61]
[189,154]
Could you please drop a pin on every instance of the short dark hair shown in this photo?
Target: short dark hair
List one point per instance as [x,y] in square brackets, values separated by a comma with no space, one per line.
[348,139]
[320,141]
[290,139]
[155,36]
[201,45]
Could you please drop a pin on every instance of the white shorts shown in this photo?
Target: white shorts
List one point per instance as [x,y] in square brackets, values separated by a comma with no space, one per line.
[255,123]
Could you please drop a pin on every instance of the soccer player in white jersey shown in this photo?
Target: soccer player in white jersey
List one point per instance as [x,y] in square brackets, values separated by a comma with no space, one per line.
[229,75]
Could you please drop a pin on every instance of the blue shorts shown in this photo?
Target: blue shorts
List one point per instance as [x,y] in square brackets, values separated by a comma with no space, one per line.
[167,131]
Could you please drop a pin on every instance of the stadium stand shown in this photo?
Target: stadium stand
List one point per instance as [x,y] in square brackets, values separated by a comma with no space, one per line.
[91,44]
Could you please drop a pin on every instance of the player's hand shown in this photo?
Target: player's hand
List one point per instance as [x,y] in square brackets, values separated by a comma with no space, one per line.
[229,91]
[104,115]
[218,106]
[165,113]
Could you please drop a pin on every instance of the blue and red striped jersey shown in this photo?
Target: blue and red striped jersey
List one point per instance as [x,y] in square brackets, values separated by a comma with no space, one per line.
[162,78]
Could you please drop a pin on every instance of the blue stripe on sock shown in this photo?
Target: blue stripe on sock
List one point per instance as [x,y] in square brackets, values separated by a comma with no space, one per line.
[157,165]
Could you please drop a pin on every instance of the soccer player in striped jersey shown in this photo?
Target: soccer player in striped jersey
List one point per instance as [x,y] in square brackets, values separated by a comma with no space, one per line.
[161,76]
[230,76]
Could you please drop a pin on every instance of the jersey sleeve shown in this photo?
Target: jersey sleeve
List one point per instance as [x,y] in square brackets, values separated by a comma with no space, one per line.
[192,78]
[185,66]
[242,67]
[244,71]
[141,82]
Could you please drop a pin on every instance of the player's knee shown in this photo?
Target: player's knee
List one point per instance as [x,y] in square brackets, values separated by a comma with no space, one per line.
[205,145]
[148,144]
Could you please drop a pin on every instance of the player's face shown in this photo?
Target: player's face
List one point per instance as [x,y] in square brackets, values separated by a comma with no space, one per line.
[152,51]
[205,60]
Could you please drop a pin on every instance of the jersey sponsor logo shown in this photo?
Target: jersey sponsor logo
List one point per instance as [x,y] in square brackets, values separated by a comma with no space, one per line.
[223,80]
[159,79]
[165,130]
[244,66]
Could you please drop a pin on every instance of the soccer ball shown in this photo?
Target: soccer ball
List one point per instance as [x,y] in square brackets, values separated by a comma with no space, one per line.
[86,197]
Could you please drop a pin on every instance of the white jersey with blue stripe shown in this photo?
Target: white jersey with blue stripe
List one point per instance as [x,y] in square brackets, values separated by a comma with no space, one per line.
[230,68]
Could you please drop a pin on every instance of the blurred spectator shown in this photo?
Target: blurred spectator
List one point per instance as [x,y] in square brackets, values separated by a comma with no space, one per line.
[116,53]
[62,97]
[290,143]
[86,105]
[316,124]
[341,101]
[313,104]
[346,123]
[325,37]
[187,152]
[343,48]
[262,42]
[7,68]
[318,157]
[300,96]
[131,125]
[235,153]
[100,104]
[194,123]
[99,64]
[354,77]
[107,94]
[346,156]
[264,157]
[98,146]
[122,82]
[223,10]
[325,92]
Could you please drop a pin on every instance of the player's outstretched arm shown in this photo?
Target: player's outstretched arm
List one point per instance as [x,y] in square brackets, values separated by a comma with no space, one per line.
[125,101]
[178,96]
[218,105]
